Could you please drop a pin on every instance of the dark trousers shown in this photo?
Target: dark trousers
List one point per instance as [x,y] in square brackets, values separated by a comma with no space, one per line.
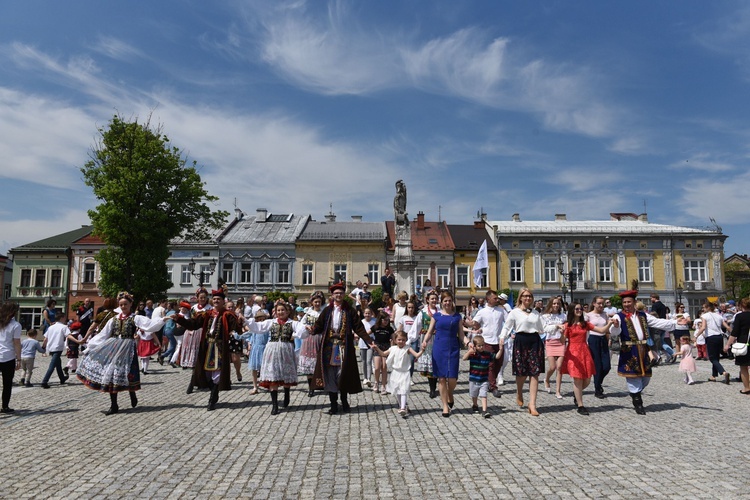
[600,352]
[54,363]
[8,369]
[715,346]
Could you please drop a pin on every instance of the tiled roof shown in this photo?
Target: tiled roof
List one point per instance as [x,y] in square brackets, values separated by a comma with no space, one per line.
[344,230]
[58,242]
[469,237]
[276,228]
[435,236]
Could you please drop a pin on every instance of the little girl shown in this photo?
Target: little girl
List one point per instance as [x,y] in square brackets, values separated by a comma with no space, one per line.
[399,362]
[74,340]
[148,345]
[687,365]
[256,346]
[382,333]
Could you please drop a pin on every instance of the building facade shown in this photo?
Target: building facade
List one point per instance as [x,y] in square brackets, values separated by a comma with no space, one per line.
[467,240]
[84,270]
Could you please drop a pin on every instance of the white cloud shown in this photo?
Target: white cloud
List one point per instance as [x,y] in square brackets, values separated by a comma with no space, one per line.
[117,49]
[17,232]
[703,162]
[723,198]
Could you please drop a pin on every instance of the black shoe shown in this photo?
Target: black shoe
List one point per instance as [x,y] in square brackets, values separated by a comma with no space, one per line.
[345,408]
[173,365]
[333,398]
[112,410]
[433,394]
[7,410]
[133,399]
[190,388]
[64,380]
[214,397]
[599,394]
[486,414]
[474,409]
[145,372]
[239,377]
[45,385]
[310,393]
[65,371]
[582,410]
[333,410]
[160,360]
[285,403]
[23,380]
[450,405]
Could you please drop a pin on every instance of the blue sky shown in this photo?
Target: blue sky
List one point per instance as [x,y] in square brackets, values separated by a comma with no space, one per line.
[583,108]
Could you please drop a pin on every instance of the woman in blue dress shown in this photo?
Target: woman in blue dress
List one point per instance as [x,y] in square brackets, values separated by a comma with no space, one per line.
[447,327]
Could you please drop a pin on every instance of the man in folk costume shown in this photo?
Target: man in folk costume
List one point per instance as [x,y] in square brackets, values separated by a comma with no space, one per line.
[632,327]
[336,370]
[212,365]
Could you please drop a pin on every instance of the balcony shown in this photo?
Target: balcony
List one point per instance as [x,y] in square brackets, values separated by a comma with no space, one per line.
[41,292]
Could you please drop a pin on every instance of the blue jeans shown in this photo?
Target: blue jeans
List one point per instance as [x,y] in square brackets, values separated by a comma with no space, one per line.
[55,363]
[172,346]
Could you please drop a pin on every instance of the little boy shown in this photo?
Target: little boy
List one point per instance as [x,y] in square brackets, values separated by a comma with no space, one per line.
[479,371]
[29,348]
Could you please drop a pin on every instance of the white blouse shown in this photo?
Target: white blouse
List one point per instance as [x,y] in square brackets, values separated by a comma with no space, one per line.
[553,325]
[520,322]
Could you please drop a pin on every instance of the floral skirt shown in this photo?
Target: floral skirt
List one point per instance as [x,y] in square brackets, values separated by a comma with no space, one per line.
[111,367]
[424,364]
[279,365]
[528,355]
[308,355]
[235,345]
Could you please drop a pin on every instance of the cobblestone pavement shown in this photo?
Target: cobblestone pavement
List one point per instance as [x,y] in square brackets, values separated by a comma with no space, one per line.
[692,443]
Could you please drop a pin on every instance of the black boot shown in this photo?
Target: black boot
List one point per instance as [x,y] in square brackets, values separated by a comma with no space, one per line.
[190,387]
[345,403]
[433,387]
[133,399]
[113,408]
[214,398]
[310,388]
[274,402]
[333,396]
[638,403]
[286,397]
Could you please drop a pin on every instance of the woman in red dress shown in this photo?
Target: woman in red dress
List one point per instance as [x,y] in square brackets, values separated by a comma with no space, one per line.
[577,361]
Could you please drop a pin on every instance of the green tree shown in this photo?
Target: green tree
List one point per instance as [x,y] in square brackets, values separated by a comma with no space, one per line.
[149,195]
[736,275]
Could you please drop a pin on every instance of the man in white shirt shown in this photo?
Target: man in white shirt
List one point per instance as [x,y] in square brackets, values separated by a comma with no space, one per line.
[599,345]
[54,342]
[490,319]
[609,309]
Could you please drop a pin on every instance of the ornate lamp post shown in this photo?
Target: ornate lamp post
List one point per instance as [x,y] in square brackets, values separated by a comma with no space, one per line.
[572,276]
[679,291]
[202,275]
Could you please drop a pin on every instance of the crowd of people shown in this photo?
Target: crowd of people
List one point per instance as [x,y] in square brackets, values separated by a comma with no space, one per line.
[343,344]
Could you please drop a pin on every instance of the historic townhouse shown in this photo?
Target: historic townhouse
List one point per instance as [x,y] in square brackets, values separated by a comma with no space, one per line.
[84,269]
[331,250]
[467,240]
[601,257]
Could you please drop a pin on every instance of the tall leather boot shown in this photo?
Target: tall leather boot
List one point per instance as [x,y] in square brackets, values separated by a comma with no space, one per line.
[345,403]
[433,387]
[638,403]
[286,397]
[113,408]
[133,399]
[274,402]
[190,387]
[333,397]
[310,388]
[214,397]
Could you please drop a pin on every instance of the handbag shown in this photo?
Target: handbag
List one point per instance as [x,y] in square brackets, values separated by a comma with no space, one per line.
[739,349]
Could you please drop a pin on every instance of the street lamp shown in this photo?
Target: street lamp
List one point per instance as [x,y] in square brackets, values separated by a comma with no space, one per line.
[679,291]
[572,276]
[202,275]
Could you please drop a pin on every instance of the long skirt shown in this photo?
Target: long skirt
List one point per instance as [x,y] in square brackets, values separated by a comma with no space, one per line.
[258,342]
[279,365]
[111,367]
[424,364]
[190,344]
[308,355]
[528,355]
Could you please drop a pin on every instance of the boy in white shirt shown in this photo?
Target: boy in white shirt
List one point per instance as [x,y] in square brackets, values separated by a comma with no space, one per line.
[54,342]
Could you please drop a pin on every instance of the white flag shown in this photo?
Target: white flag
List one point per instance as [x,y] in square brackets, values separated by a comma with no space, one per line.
[481,263]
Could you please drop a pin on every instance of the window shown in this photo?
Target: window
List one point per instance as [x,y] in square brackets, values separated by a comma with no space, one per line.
[246,272]
[605,270]
[696,270]
[339,272]
[205,270]
[422,276]
[644,270]
[30,317]
[89,272]
[25,277]
[483,283]
[550,270]
[443,277]
[40,277]
[579,271]
[264,272]
[373,273]
[170,274]
[462,276]
[282,272]
[516,270]
[55,280]
[307,274]
[227,272]
[184,275]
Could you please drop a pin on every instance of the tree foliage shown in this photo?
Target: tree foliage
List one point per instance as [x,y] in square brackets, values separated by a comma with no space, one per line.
[736,277]
[149,195]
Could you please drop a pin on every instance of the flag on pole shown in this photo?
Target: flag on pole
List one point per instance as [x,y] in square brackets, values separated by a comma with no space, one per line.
[481,263]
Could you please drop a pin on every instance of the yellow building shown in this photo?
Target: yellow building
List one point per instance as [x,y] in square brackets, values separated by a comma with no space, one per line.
[467,240]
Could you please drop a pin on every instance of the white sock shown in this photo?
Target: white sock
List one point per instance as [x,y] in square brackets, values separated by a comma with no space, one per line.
[402,404]
[145,364]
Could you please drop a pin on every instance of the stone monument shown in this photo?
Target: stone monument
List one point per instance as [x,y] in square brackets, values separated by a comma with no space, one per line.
[403,263]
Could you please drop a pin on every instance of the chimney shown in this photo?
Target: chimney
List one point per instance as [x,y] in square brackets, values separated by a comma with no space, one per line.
[420,220]
[330,217]
[643,217]
[357,218]
[516,218]
[478,224]
[561,217]
[261,214]
[238,214]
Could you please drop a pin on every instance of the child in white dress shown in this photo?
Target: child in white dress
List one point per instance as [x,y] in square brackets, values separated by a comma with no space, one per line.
[399,363]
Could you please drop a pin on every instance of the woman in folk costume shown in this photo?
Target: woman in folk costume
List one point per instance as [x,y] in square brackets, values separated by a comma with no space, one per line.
[419,331]
[111,365]
[212,365]
[308,354]
[279,367]
[632,327]
[192,340]
[336,370]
